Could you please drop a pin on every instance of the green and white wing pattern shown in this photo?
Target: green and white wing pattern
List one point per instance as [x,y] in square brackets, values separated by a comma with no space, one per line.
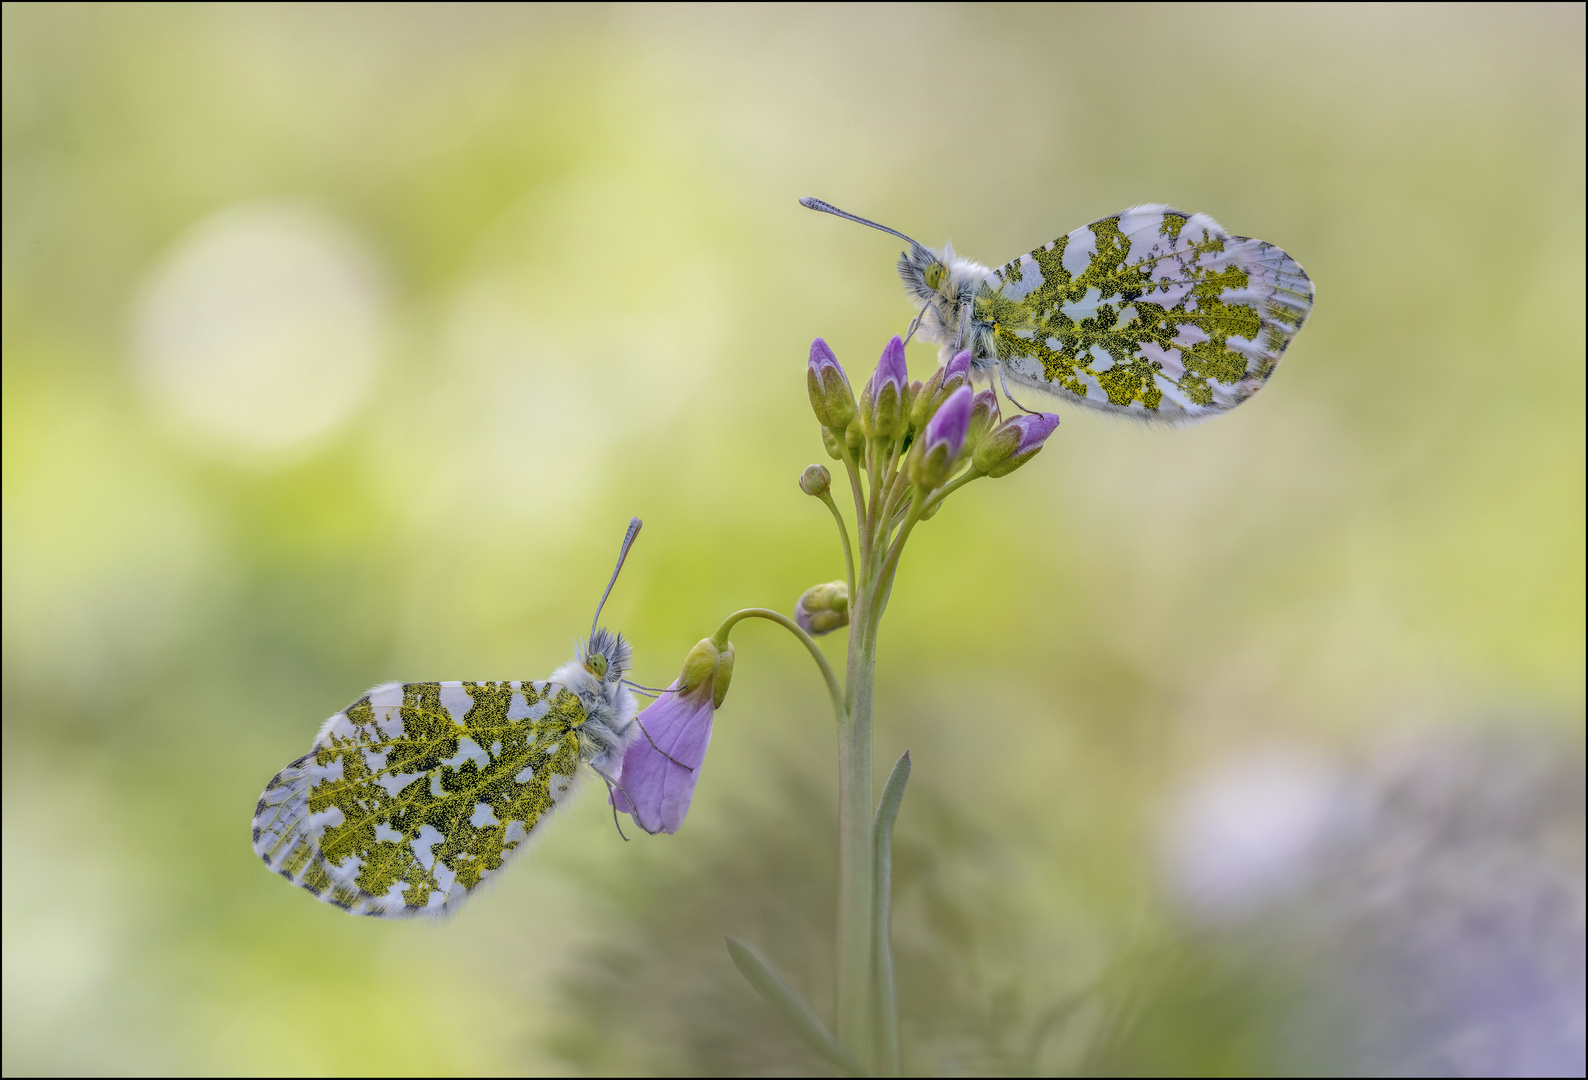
[1153,313]
[416,792]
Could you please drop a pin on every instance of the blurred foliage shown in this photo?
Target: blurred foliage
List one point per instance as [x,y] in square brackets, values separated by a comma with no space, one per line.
[594,292]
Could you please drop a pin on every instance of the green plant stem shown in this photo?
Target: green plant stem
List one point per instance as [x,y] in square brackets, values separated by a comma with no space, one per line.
[855,971]
[720,639]
[854,486]
[843,535]
[855,848]
[865,1010]
[854,815]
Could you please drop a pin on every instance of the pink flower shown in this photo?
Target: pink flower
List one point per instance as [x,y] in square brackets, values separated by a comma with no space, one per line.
[656,782]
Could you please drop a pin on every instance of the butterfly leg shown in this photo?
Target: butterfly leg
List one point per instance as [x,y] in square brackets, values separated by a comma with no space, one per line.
[658,749]
[915,323]
[1010,396]
[611,783]
[652,690]
[616,824]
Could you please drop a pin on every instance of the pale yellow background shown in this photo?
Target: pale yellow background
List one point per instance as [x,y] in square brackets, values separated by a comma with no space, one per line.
[575,285]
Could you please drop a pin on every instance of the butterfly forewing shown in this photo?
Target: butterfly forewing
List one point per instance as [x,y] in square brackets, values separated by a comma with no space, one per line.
[1153,312]
[416,792]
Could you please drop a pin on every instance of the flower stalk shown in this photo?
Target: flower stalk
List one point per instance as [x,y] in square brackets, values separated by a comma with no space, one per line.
[905,447]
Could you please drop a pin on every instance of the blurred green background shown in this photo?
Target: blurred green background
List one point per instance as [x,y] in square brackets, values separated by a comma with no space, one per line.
[341,341]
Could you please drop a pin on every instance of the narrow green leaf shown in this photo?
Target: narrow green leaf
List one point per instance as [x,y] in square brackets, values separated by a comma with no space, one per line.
[882,970]
[798,1015]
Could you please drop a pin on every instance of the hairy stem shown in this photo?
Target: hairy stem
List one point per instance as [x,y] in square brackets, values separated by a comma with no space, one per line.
[855,848]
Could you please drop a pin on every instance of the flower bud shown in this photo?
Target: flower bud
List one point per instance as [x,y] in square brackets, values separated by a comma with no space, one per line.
[823,608]
[698,665]
[707,665]
[882,402]
[815,480]
[944,381]
[911,393]
[833,443]
[1014,443]
[924,403]
[983,418]
[934,454]
[723,676]
[831,398]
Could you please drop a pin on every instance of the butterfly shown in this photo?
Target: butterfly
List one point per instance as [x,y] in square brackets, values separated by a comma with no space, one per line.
[417,792]
[1152,313]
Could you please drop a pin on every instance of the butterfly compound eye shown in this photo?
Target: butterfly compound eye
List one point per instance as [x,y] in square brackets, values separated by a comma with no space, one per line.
[934,275]
[597,665]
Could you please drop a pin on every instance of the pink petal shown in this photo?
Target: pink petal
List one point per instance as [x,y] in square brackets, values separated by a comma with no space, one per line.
[661,789]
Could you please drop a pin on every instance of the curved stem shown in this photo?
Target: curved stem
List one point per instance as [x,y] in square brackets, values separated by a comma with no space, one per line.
[843,533]
[720,639]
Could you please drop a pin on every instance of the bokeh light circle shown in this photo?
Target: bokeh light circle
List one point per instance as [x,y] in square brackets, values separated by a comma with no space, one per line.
[262,329]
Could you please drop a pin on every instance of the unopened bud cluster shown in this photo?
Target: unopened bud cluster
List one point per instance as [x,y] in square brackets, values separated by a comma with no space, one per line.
[943,421]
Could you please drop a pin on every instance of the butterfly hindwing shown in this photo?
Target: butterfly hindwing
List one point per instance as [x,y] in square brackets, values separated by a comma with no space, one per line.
[1153,312]
[416,792]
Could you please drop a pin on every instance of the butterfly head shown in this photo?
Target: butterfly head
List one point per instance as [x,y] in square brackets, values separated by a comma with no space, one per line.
[606,656]
[925,274]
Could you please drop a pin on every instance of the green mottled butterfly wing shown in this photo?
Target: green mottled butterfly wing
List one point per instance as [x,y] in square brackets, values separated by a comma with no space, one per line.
[416,792]
[1153,313]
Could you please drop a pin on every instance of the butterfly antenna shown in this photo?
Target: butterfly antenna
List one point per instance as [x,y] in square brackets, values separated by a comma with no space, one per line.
[812,203]
[628,542]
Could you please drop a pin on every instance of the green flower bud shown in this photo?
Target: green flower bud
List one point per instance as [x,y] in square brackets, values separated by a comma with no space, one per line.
[833,443]
[865,419]
[724,675]
[1013,443]
[823,608]
[815,480]
[984,417]
[831,399]
[933,456]
[911,392]
[707,662]
[925,403]
[944,381]
[699,665]
[882,404]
